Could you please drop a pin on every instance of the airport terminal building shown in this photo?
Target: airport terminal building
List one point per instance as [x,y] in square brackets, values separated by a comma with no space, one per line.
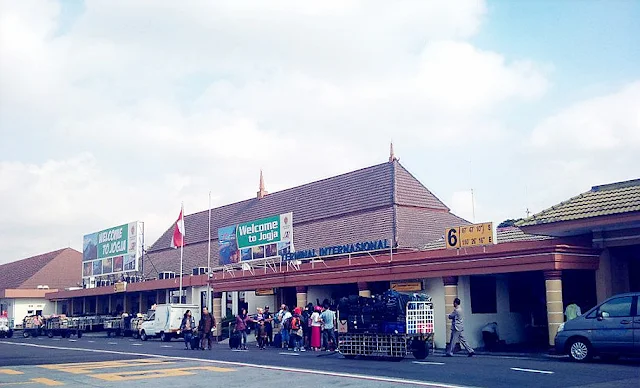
[379,227]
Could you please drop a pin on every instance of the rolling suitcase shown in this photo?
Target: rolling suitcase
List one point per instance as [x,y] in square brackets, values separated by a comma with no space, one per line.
[234,340]
[277,341]
[195,342]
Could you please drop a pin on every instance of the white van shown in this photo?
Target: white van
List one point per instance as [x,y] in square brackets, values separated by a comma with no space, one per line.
[165,321]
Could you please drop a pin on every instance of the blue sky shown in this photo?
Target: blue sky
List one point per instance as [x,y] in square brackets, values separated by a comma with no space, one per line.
[119,110]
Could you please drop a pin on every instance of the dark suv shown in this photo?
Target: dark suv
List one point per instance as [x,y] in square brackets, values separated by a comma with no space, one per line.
[610,329]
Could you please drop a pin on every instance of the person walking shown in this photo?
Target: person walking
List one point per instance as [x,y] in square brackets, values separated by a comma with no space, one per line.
[206,327]
[187,326]
[242,320]
[457,328]
[268,325]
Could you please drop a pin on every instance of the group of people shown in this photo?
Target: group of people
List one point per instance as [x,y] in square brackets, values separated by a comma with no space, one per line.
[309,328]
[205,329]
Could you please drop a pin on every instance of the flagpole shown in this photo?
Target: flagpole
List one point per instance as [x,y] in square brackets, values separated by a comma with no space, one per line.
[181,249]
[209,260]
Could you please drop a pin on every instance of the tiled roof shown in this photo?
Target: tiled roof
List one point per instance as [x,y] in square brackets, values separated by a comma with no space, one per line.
[503,235]
[611,199]
[57,269]
[357,206]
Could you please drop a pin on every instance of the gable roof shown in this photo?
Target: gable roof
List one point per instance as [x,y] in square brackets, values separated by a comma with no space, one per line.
[604,200]
[51,268]
[379,202]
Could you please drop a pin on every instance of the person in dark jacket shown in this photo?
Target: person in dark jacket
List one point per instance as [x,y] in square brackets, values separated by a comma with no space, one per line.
[206,326]
[242,320]
[268,325]
[187,327]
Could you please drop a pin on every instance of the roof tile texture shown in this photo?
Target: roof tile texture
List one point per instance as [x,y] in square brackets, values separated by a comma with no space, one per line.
[615,198]
[57,269]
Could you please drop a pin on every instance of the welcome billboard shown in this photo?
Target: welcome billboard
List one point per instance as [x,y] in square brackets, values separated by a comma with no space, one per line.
[113,251]
[259,239]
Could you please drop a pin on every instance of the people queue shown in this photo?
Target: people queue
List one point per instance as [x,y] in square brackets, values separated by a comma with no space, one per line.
[309,328]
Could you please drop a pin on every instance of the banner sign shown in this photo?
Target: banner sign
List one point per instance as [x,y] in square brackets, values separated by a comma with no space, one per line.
[469,235]
[267,237]
[365,246]
[406,286]
[112,251]
[265,291]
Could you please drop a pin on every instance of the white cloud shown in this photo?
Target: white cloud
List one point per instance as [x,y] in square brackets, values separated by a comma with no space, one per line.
[140,105]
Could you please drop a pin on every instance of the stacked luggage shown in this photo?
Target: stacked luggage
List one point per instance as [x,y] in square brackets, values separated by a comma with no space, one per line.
[380,314]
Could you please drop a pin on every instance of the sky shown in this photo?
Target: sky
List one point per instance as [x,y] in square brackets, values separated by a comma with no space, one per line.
[119,110]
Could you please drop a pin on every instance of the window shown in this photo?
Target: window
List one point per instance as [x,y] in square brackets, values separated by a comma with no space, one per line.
[483,295]
[619,307]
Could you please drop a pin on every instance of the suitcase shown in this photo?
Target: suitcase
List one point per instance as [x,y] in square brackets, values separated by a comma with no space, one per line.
[235,339]
[277,340]
[195,342]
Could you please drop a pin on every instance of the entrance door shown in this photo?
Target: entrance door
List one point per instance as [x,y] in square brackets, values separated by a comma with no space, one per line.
[613,326]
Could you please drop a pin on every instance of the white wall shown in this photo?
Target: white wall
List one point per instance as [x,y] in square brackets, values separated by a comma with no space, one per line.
[511,326]
[18,308]
[322,293]
[260,301]
[435,288]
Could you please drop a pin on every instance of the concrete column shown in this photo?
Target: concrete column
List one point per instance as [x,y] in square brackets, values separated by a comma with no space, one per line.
[140,302]
[235,303]
[555,308]
[70,312]
[363,290]
[84,305]
[301,296]
[450,293]
[217,312]
[98,311]
[110,306]
[124,302]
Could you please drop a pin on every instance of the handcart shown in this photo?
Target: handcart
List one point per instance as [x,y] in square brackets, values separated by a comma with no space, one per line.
[120,326]
[64,326]
[394,341]
[32,326]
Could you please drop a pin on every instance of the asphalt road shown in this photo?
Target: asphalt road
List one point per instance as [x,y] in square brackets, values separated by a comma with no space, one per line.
[29,357]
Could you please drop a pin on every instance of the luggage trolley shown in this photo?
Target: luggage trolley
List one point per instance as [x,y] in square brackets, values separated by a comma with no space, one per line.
[416,339]
[64,327]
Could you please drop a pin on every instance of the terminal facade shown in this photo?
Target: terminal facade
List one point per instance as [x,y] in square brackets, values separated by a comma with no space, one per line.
[580,251]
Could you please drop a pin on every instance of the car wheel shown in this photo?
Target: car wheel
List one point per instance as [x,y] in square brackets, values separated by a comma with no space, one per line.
[50,333]
[143,336]
[26,334]
[580,350]
[135,335]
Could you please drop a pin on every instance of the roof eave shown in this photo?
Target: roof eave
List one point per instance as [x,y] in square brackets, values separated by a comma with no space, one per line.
[583,225]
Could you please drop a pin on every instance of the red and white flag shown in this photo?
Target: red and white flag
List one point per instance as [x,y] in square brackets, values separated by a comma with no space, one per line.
[178,232]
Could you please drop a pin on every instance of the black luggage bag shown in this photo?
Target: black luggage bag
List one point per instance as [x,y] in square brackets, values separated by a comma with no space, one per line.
[195,342]
[235,339]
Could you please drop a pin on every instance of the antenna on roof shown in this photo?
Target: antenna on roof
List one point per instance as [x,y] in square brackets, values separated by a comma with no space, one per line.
[526,199]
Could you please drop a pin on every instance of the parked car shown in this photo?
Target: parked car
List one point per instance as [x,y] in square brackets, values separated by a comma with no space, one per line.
[608,330]
[165,320]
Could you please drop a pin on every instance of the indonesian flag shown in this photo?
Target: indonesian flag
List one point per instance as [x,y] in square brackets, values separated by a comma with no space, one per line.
[178,232]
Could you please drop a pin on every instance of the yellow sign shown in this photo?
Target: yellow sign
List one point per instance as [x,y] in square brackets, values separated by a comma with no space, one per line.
[120,287]
[265,291]
[406,286]
[469,235]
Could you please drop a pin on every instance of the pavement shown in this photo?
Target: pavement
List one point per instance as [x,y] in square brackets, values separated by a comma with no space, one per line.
[100,361]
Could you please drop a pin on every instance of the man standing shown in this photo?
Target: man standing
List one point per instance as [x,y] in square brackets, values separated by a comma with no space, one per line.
[328,332]
[457,328]
[206,327]
[268,325]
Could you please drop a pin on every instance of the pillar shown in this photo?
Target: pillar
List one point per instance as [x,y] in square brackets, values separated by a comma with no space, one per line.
[363,290]
[301,296]
[124,302]
[158,296]
[98,311]
[140,302]
[217,312]
[110,306]
[84,305]
[450,293]
[555,308]
[71,308]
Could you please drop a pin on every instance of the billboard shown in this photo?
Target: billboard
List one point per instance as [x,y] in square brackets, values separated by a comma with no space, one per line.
[112,251]
[259,239]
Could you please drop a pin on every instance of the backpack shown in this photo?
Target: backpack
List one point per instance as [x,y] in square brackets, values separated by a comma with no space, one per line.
[287,323]
[295,323]
[306,317]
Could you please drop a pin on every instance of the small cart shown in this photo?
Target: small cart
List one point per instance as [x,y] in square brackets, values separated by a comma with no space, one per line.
[6,327]
[417,338]
[121,326]
[64,327]
[32,326]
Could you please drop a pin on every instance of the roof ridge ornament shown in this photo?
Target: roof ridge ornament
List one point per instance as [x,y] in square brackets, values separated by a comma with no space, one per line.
[261,191]
[392,155]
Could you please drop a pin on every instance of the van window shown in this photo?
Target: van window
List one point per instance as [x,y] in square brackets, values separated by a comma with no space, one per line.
[618,307]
